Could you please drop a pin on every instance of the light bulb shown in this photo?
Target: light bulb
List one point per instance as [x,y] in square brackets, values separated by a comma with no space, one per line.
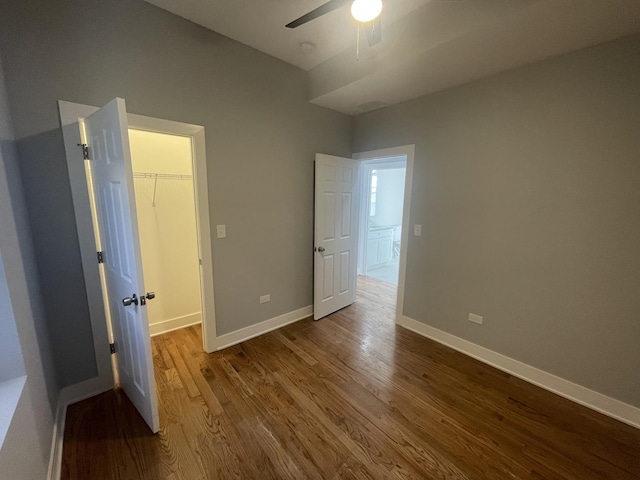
[366,10]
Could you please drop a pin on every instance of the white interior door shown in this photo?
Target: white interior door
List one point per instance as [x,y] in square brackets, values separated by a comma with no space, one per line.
[108,141]
[336,234]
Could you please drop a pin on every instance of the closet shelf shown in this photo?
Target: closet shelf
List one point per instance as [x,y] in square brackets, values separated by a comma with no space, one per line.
[160,176]
[172,176]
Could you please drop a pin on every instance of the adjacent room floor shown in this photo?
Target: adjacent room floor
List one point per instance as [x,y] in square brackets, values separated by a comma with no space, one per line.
[386,273]
[349,396]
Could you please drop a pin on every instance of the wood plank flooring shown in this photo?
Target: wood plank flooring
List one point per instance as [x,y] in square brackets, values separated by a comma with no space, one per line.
[349,397]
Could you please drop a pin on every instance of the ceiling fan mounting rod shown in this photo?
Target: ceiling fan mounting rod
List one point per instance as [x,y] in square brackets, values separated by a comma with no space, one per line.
[358,44]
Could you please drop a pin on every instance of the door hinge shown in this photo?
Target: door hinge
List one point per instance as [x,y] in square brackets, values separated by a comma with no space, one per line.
[112,348]
[85,150]
[100,257]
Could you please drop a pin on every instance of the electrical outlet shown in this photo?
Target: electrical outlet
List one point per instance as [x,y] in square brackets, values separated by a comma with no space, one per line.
[417,230]
[265,298]
[221,231]
[475,318]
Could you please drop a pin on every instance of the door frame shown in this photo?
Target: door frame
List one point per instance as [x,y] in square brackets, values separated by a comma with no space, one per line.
[70,114]
[409,152]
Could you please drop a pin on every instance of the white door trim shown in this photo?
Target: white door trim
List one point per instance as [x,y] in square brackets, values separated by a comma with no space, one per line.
[70,113]
[196,132]
[408,151]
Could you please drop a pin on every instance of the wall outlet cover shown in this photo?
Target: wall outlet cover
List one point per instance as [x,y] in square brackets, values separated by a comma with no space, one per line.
[417,230]
[221,231]
[265,298]
[475,318]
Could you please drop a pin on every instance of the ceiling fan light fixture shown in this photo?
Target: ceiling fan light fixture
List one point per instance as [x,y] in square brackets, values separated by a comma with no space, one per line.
[366,10]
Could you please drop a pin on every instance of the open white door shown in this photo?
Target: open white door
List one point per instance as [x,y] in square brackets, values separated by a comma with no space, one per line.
[108,142]
[336,234]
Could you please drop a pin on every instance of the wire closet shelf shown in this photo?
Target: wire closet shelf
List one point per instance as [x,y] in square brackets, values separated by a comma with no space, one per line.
[161,176]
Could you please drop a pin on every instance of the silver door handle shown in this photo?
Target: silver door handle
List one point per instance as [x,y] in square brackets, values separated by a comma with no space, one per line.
[129,300]
[321,249]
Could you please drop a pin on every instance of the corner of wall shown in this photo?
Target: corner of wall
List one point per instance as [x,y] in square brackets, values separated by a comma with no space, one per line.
[611,407]
[32,423]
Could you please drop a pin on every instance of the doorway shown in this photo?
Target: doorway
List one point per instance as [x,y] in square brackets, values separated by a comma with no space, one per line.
[382,203]
[165,201]
[72,115]
[386,177]
[166,210]
[350,218]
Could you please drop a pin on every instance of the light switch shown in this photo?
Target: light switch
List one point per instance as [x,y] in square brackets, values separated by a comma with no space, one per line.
[222,231]
[417,230]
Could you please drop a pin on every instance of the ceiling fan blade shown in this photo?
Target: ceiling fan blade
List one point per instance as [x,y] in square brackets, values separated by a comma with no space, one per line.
[330,6]
[374,32]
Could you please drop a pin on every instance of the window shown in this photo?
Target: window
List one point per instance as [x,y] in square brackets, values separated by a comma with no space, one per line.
[12,371]
[374,188]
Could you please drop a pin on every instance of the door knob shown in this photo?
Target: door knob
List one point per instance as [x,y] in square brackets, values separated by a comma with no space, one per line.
[321,249]
[129,300]
[148,296]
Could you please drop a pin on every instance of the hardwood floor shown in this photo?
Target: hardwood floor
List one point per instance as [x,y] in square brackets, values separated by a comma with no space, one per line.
[351,396]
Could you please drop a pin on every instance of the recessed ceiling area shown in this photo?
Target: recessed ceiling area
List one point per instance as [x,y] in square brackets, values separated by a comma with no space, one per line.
[427,45]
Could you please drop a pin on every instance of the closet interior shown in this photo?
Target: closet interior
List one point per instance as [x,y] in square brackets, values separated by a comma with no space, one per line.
[166,210]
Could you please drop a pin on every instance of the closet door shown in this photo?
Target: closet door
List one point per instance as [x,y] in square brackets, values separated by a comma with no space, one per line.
[108,142]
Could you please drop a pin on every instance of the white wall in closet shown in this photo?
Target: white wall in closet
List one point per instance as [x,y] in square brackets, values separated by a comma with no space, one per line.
[165,203]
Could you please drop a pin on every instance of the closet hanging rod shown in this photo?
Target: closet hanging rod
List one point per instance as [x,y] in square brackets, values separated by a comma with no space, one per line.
[172,176]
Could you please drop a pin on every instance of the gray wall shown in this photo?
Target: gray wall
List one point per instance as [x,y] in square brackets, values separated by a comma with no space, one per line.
[527,186]
[261,139]
[32,424]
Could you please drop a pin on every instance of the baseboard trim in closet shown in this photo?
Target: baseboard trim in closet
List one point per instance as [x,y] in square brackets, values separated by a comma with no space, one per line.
[174,324]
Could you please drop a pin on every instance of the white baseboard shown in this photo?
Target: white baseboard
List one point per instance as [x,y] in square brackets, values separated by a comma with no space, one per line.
[174,324]
[577,393]
[70,395]
[55,457]
[247,333]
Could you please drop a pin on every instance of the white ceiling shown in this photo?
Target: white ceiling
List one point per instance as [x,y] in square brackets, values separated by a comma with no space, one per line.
[427,45]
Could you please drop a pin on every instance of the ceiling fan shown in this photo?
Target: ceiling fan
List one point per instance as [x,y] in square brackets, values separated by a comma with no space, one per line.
[364,11]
